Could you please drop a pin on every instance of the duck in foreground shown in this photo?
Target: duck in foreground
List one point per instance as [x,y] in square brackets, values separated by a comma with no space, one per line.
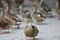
[30,30]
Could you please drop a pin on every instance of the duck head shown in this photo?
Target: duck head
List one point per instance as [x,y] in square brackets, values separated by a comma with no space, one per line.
[29,22]
[26,14]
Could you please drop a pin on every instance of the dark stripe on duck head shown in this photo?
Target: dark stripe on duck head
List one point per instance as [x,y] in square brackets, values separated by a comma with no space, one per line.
[26,11]
[47,9]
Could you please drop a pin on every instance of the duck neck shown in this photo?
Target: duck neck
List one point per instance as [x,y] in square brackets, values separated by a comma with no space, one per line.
[7,10]
[35,9]
[1,12]
[20,7]
[29,22]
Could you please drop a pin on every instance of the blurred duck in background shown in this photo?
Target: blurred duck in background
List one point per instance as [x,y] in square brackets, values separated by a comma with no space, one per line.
[19,7]
[19,4]
[11,19]
[43,7]
[3,23]
[37,15]
[26,14]
[58,8]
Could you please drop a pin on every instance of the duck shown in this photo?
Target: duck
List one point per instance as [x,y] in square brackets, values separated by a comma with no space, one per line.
[12,19]
[26,14]
[42,6]
[47,9]
[3,24]
[19,6]
[30,30]
[20,10]
[38,16]
[58,8]
[19,2]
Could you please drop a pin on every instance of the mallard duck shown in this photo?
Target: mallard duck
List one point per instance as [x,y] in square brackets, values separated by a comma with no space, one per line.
[30,30]
[26,14]
[44,7]
[37,1]
[47,9]
[58,8]
[13,14]
[20,9]
[38,16]
[12,19]
[3,24]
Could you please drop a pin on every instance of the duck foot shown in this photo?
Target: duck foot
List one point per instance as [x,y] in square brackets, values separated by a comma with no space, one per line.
[18,27]
[9,30]
[0,32]
[59,18]
[33,38]
[5,32]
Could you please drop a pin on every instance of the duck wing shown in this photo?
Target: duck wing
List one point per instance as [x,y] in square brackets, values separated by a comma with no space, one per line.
[35,30]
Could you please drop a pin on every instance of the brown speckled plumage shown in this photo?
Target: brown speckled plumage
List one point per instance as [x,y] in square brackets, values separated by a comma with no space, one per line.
[31,32]
[58,8]
[19,1]
[38,18]
[58,11]
[4,25]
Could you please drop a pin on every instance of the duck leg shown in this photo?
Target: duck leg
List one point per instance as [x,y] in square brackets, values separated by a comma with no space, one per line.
[33,38]
[58,17]
[0,31]
[9,29]
[18,26]
[26,37]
